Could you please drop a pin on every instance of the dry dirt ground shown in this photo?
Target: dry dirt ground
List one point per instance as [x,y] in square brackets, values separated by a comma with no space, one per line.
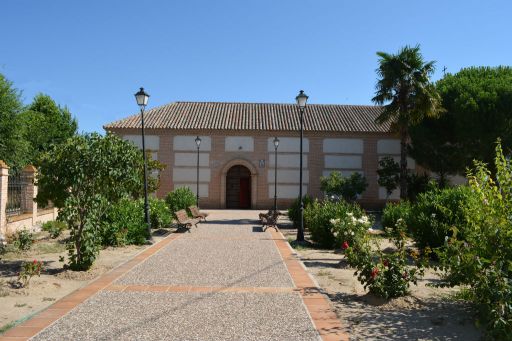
[18,304]
[426,314]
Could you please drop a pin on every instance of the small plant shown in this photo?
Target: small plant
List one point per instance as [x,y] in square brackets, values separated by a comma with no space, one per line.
[160,214]
[29,270]
[23,240]
[54,228]
[180,199]
[386,275]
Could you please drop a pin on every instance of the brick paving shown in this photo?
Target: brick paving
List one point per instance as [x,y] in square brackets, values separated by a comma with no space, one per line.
[225,280]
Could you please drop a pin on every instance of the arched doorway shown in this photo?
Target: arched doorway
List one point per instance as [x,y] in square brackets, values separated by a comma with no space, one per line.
[238,187]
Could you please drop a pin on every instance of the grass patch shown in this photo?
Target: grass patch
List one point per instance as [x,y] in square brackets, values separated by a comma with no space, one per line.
[6,327]
[20,305]
[52,247]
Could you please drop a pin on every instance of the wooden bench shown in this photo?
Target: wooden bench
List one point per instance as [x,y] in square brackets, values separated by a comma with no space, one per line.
[269,219]
[184,220]
[196,213]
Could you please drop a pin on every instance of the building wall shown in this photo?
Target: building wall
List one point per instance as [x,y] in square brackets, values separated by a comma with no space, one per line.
[219,150]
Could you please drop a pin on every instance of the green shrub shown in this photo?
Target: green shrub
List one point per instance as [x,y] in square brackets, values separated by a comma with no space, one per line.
[437,211]
[319,215]
[294,210]
[159,213]
[180,199]
[481,258]
[394,211]
[386,275]
[124,224]
[54,228]
[23,240]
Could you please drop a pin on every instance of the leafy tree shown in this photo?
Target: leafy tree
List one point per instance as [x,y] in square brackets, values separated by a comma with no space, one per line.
[83,176]
[389,174]
[408,97]
[13,148]
[46,123]
[347,187]
[478,103]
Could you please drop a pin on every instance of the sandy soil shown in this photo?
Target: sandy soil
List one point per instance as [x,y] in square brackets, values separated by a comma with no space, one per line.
[55,282]
[426,314]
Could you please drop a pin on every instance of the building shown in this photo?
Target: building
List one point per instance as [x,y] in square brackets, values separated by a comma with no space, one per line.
[236,156]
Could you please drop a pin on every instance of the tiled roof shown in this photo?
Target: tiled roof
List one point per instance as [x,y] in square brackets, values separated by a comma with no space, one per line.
[256,116]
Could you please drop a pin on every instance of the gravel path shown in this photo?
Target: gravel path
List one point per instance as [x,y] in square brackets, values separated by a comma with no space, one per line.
[224,252]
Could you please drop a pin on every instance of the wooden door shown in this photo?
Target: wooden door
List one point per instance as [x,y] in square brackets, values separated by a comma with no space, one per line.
[245,193]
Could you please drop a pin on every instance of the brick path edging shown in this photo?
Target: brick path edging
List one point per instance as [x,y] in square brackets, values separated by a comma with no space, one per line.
[318,305]
[45,318]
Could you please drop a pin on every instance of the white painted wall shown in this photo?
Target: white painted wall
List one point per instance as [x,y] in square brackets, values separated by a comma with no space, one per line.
[343,161]
[152,141]
[388,146]
[287,160]
[288,176]
[203,188]
[189,174]
[288,144]
[343,146]
[188,143]
[190,159]
[239,143]
[286,191]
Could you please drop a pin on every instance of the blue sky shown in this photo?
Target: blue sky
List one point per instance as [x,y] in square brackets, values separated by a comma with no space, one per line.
[94,55]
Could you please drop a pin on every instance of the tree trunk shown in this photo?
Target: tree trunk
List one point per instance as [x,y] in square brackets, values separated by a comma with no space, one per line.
[403,164]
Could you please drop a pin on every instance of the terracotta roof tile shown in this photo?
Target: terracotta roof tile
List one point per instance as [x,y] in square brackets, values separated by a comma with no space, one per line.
[256,116]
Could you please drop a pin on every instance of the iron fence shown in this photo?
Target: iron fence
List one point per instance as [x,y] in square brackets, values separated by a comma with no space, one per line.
[16,191]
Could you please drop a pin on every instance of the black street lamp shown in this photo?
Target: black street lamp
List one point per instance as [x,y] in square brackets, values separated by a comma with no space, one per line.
[276,144]
[142,100]
[301,99]
[198,143]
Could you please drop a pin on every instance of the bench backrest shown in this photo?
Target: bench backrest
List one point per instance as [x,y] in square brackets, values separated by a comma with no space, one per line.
[182,216]
[194,210]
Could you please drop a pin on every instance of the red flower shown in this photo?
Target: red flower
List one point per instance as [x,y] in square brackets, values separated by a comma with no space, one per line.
[375,272]
[35,261]
[345,245]
[385,262]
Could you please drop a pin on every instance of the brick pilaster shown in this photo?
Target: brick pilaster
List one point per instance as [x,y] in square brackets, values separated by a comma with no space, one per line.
[4,178]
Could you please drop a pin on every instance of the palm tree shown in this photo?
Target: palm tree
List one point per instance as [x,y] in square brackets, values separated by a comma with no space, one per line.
[407,95]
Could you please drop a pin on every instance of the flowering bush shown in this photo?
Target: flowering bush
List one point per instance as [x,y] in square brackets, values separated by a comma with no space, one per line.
[385,274]
[350,229]
[482,258]
[318,217]
[29,270]
[23,240]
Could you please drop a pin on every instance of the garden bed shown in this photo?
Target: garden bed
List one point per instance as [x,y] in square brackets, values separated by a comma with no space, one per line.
[426,314]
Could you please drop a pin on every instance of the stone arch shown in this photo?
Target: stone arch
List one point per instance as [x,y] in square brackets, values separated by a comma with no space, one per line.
[254,180]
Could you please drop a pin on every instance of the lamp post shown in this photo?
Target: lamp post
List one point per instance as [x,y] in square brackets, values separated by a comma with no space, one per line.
[142,100]
[198,143]
[276,144]
[301,99]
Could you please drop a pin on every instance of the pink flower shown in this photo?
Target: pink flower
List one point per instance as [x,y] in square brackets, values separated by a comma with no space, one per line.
[345,245]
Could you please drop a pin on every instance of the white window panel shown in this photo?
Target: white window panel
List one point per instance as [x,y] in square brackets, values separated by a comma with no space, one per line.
[343,146]
[190,159]
[189,174]
[288,144]
[188,143]
[343,161]
[203,188]
[239,143]
[287,191]
[288,160]
[288,176]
